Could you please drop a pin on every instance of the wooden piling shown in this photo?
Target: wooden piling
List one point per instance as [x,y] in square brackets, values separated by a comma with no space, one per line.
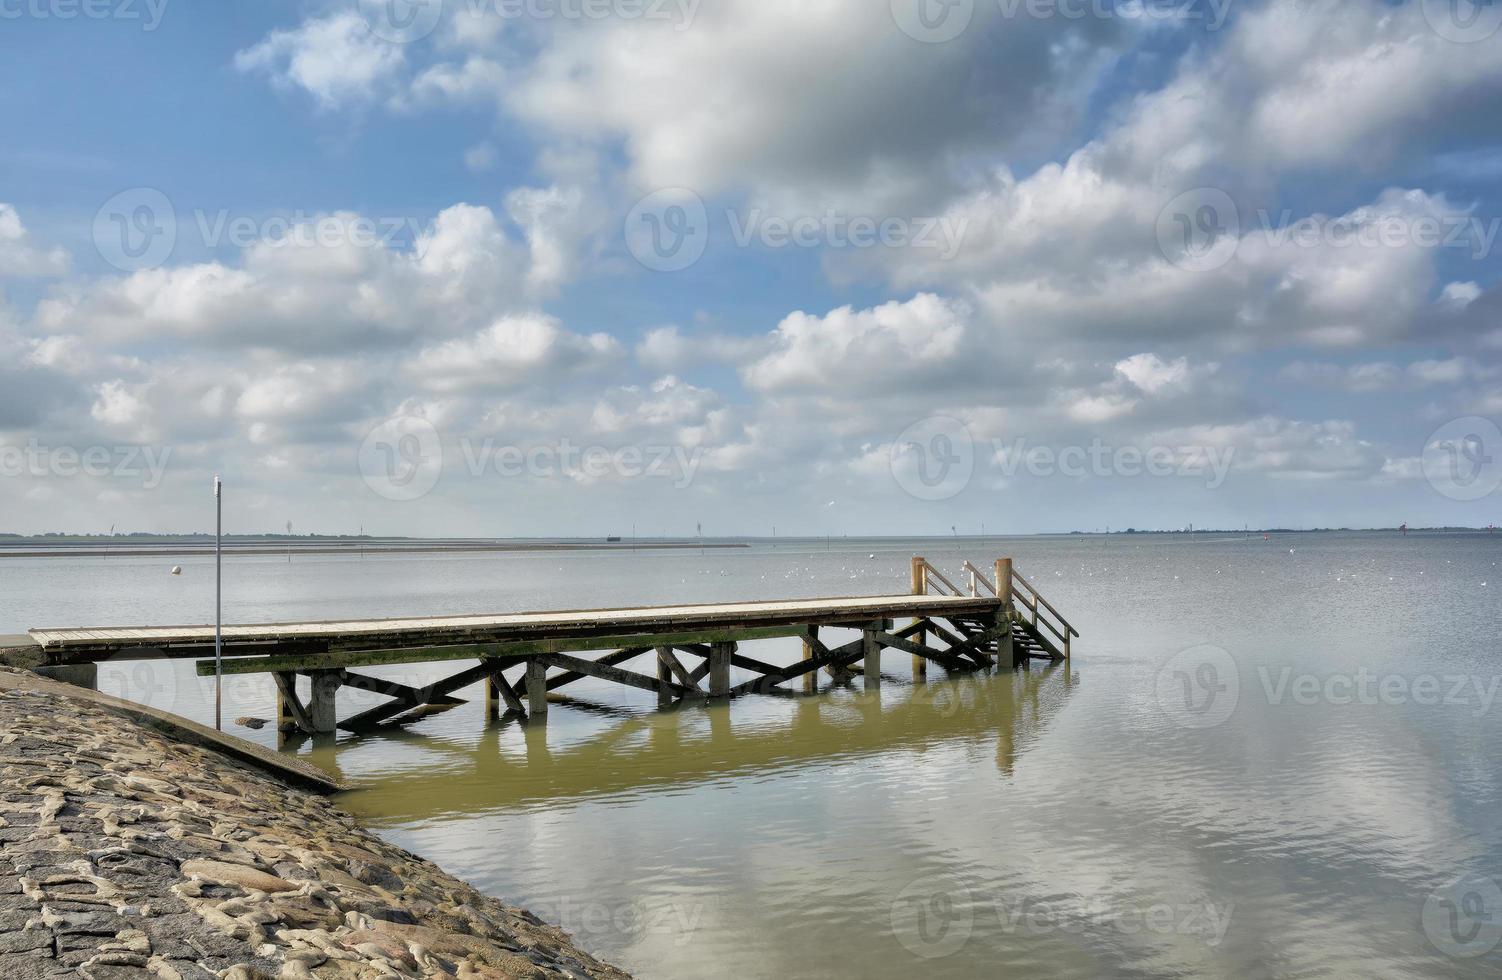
[322,704]
[1006,656]
[810,679]
[920,587]
[664,676]
[537,690]
[719,669]
[286,715]
[871,662]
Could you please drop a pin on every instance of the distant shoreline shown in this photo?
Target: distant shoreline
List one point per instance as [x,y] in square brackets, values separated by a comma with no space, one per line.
[195,547]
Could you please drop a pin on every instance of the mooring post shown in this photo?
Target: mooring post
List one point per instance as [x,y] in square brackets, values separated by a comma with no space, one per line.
[719,669]
[322,704]
[920,587]
[537,690]
[871,665]
[1005,656]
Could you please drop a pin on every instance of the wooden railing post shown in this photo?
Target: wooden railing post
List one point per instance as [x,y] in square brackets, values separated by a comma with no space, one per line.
[920,587]
[1004,582]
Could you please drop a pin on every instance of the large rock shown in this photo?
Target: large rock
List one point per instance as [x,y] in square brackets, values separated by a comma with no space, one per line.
[238,875]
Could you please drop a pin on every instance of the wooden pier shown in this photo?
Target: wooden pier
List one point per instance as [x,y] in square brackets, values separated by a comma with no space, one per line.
[995,621]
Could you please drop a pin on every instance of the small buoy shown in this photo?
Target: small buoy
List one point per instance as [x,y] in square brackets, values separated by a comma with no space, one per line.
[177,569]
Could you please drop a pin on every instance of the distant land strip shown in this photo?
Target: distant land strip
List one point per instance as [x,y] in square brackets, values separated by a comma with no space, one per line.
[415,548]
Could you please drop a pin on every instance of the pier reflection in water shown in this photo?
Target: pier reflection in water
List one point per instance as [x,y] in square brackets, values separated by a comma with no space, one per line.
[630,827]
[638,752]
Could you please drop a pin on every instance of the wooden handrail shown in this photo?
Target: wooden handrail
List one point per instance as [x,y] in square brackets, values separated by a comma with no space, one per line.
[1031,599]
[976,575]
[953,590]
[1017,577]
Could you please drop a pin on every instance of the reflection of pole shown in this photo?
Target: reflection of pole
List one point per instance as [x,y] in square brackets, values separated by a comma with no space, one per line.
[218,614]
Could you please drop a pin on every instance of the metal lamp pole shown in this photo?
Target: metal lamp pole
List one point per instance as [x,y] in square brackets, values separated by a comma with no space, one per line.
[218,583]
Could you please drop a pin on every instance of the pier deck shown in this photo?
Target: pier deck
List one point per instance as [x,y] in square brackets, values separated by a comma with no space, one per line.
[992,624]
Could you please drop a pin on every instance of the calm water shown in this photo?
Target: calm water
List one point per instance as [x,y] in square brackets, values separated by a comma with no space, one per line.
[1270,758]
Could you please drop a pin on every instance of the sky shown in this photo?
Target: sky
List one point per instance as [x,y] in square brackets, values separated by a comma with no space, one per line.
[572,267]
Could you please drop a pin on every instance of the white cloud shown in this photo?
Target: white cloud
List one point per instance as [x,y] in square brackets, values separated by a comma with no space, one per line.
[512,352]
[19,256]
[669,349]
[1151,374]
[1286,448]
[330,295]
[336,59]
[866,349]
[475,78]
[119,406]
[480,157]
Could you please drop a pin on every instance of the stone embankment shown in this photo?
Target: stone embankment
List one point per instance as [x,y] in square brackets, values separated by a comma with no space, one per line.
[127,854]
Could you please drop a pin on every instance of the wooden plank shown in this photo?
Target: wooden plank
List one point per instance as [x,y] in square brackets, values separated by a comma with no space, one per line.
[695,616]
[391,689]
[491,651]
[448,685]
[675,668]
[286,687]
[508,694]
[970,648]
[611,660]
[945,634]
[750,663]
[942,658]
[848,652]
[607,673]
